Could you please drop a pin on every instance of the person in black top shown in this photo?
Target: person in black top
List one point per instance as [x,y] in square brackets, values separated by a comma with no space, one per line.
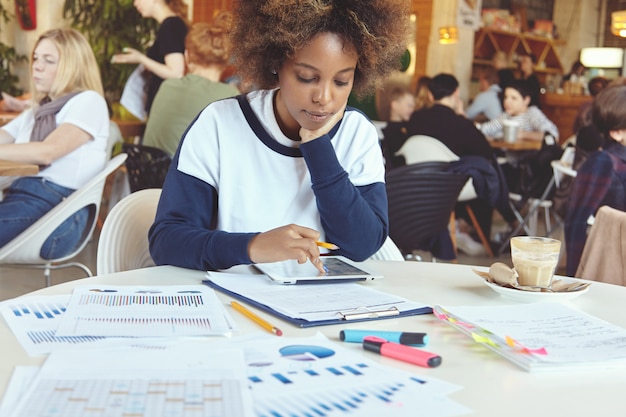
[526,66]
[165,57]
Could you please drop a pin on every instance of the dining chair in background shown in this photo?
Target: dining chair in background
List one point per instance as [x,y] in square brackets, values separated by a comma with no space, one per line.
[420,199]
[146,166]
[24,249]
[421,148]
[123,243]
[604,254]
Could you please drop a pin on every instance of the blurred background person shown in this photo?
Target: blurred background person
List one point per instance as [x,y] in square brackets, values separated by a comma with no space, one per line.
[487,104]
[164,58]
[601,180]
[401,106]
[65,132]
[178,101]
[423,98]
[526,66]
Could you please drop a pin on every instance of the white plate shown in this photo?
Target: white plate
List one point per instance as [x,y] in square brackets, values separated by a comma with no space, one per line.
[537,297]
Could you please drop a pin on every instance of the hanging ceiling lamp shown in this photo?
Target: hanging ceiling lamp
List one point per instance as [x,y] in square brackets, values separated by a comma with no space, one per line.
[448,34]
[618,23]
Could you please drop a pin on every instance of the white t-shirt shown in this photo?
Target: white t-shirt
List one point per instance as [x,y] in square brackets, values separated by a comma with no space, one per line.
[87,111]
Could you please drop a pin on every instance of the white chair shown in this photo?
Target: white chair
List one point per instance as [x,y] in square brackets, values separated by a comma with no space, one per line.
[25,248]
[388,252]
[123,243]
[421,148]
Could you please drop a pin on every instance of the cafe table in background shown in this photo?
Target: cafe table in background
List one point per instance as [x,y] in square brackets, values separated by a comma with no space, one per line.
[17,169]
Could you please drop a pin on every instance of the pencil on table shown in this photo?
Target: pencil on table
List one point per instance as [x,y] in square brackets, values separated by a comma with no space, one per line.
[258,320]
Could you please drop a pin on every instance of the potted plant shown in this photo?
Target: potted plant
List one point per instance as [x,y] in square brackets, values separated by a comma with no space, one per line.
[8,58]
[110,25]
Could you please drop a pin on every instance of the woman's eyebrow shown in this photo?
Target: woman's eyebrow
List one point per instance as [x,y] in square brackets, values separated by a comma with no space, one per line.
[314,68]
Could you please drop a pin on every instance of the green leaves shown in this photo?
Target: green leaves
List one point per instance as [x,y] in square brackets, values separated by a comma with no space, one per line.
[110,25]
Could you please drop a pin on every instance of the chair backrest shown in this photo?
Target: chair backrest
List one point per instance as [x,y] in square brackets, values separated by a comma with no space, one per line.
[604,255]
[388,252]
[25,248]
[123,243]
[422,148]
[146,166]
[421,198]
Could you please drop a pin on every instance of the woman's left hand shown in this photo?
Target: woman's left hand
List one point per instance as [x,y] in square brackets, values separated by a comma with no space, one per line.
[130,56]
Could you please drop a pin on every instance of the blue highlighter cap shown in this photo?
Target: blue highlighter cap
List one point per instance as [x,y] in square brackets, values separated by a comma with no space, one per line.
[404,338]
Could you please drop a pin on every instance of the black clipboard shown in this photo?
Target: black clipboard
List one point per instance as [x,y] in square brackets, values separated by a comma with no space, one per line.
[343,317]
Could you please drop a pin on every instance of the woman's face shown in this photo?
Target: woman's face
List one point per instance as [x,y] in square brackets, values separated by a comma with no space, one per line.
[514,103]
[45,65]
[404,106]
[315,84]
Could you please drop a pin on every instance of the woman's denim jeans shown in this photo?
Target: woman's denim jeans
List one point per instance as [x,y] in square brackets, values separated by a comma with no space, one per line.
[27,200]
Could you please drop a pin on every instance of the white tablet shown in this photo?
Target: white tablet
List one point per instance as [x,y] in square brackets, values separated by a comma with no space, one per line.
[338,269]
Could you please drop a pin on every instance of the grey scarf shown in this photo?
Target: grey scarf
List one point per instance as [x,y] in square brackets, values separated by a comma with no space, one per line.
[45,121]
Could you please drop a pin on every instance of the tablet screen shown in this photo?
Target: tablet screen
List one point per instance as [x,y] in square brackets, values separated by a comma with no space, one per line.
[336,267]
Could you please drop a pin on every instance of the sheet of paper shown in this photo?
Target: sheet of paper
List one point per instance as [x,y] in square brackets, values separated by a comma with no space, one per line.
[134,94]
[311,302]
[314,376]
[567,335]
[163,380]
[34,321]
[138,311]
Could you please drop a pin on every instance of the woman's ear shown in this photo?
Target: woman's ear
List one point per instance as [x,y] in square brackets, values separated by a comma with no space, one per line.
[527,101]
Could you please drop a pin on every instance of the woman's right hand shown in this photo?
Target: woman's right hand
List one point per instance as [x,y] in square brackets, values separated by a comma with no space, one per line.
[284,243]
[130,56]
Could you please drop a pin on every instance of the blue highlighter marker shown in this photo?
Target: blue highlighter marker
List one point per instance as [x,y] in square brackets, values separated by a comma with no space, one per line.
[404,338]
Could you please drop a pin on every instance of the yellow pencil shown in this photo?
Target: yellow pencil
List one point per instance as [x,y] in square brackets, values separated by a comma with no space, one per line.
[327,245]
[258,320]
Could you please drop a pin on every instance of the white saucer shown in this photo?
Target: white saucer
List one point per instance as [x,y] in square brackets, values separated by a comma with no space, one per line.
[537,297]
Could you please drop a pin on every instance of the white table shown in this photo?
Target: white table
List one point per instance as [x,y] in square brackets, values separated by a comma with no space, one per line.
[492,385]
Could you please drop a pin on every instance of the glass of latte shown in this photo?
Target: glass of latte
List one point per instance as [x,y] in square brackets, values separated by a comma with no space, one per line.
[535,259]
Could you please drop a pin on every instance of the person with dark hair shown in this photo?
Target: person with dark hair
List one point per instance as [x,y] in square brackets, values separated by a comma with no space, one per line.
[526,65]
[583,118]
[601,180]
[527,172]
[442,122]
[518,106]
[262,176]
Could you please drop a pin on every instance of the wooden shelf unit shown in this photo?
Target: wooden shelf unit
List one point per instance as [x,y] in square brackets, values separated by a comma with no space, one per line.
[489,41]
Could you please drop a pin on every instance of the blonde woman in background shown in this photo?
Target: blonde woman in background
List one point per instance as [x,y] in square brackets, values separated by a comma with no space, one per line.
[65,132]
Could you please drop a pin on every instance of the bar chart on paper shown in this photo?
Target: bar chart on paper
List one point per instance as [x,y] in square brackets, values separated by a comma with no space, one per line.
[137,398]
[314,380]
[34,320]
[352,396]
[144,311]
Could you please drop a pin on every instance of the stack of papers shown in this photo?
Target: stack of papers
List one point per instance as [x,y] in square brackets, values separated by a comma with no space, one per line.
[257,375]
[316,304]
[541,337]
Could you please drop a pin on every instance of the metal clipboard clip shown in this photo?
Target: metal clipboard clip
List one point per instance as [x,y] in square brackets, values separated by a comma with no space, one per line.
[368,313]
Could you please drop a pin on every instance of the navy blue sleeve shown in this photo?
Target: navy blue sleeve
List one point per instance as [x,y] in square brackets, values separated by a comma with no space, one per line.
[353,218]
[183,233]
